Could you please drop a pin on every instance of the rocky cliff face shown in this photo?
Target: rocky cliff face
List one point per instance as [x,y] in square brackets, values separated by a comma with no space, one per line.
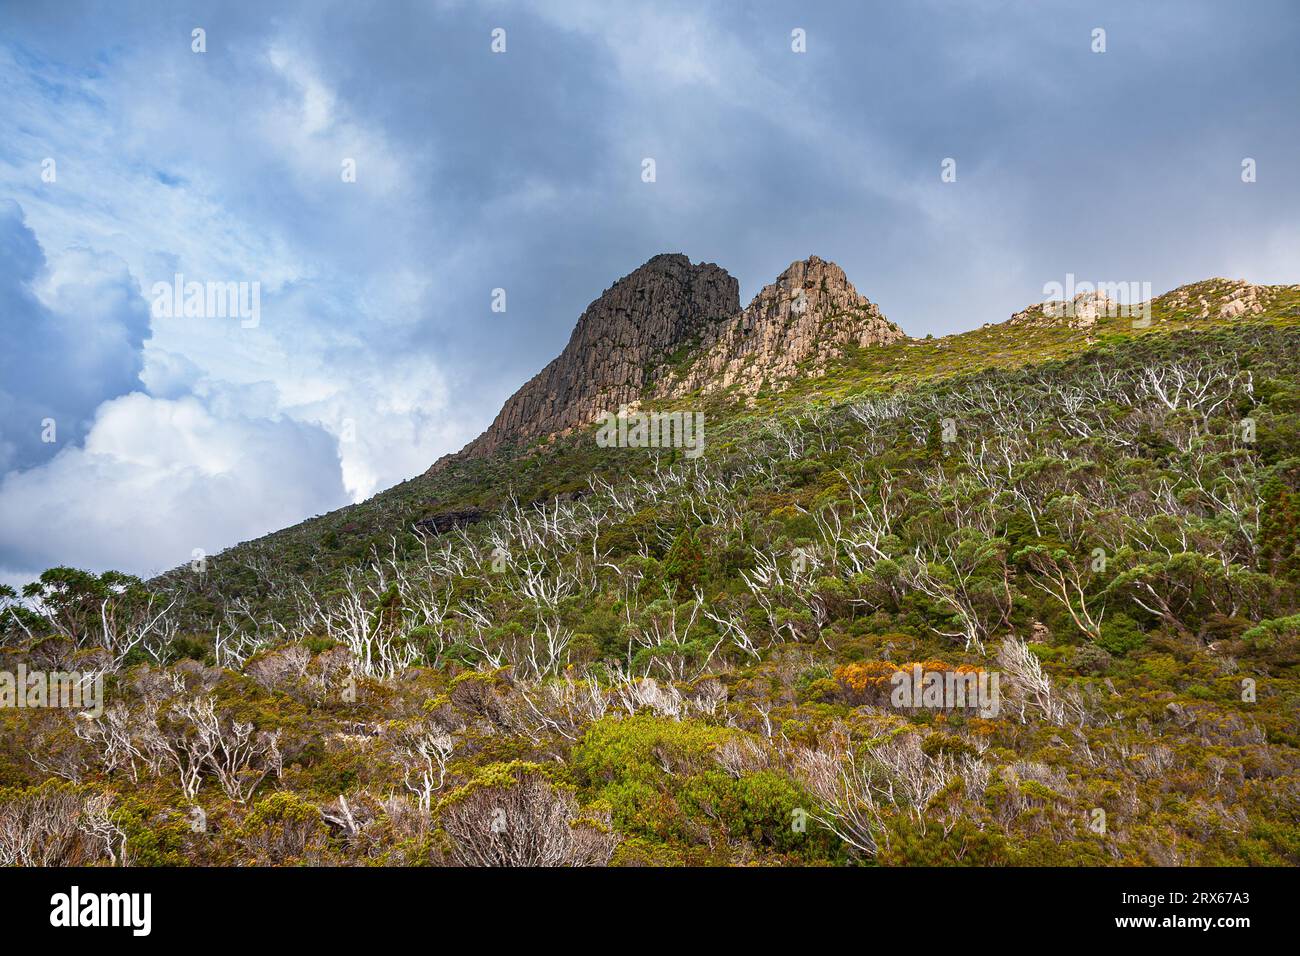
[622,343]
[810,315]
[671,328]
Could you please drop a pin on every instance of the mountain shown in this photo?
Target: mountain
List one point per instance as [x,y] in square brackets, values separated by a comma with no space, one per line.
[670,328]
[773,358]
[621,344]
[810,316]
[1024,595]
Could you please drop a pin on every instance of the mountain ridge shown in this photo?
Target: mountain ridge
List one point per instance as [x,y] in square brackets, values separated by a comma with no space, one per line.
[671,328]
[457,480]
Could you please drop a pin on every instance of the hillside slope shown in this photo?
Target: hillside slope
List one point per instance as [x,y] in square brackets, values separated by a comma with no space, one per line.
[475,482]
[1089,527]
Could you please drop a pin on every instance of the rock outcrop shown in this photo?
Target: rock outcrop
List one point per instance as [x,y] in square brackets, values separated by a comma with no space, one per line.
[809,316]
[1221,299]
[1213,299]
[452,520]
[1081,312]
[622,343]
[671,328]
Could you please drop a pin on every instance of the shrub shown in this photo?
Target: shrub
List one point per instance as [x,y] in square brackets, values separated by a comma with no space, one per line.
[511,815]
[57,824]
[283,828]
[1090,659]
[1121,634]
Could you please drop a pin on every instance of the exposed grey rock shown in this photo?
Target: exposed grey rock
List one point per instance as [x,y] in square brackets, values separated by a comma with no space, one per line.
[446,521]
[1222,298]
[1081,312]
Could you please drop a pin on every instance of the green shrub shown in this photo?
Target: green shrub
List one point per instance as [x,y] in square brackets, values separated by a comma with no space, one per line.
[1121,634]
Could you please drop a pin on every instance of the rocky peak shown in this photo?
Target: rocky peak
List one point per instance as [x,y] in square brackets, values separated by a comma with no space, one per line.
[811,286]
[619,347]
[661,305]
[796,325]
[670,328]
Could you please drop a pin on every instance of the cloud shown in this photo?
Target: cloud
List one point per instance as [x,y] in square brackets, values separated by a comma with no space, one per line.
[73,337]
[158,478]
[134,481]
[393,417]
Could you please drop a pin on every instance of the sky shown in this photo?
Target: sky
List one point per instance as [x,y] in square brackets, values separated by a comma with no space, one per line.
[369,173]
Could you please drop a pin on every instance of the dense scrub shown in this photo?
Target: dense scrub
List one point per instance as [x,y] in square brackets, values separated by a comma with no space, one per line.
[640,659]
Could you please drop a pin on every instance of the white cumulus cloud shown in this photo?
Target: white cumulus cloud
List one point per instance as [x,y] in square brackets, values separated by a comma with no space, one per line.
[158,478]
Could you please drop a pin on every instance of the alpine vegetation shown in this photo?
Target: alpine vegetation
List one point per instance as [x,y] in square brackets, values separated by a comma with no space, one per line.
[1025,595]
[389,477]
[684,430]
